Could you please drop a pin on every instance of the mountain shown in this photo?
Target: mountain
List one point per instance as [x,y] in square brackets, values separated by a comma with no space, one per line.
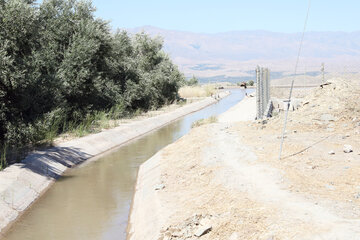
[236,54]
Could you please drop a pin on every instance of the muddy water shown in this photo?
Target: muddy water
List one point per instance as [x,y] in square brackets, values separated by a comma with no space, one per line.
[93,201]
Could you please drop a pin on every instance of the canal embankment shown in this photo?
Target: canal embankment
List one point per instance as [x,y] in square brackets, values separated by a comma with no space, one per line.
[225,181]
[155,202]
[23,183]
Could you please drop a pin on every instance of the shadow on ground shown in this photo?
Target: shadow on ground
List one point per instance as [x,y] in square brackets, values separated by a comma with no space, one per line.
[54,161]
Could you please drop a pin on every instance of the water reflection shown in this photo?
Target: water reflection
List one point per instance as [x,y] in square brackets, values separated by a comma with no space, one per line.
[93,201]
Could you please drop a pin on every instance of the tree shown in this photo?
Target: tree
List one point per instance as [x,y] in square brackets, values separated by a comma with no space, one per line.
[155,80]
[192,81]
[166,82]
[18,33]
[59,63]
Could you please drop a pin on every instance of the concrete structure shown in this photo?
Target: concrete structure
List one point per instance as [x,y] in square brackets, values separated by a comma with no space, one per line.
[262,91]
[281,104]
[23,183]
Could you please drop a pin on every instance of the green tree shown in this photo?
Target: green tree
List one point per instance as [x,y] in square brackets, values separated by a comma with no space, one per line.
[192,81]
[59,63]
[85,86]
[18,33]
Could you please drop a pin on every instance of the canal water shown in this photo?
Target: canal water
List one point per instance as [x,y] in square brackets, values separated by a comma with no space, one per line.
[93,201]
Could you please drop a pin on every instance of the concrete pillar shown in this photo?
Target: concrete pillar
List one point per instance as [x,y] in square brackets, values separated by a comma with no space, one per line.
[258,93]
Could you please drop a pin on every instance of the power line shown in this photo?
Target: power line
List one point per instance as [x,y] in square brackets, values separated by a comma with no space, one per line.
[292,82]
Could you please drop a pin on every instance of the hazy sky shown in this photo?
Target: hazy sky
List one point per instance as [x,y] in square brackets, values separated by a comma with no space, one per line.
[212,16]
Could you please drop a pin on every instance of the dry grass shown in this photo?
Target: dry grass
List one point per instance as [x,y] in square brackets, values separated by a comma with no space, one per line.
[102,122]
[212,119]
[197,91]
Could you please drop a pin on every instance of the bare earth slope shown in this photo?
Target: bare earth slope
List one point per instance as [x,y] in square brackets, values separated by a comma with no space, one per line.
[224,180]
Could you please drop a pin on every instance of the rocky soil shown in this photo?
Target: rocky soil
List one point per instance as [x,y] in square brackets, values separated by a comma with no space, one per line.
[225,181]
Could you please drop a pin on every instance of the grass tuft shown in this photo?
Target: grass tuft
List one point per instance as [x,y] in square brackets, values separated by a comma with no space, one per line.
[212,119]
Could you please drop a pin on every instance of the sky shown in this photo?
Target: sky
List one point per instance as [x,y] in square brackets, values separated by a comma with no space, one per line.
[210,16]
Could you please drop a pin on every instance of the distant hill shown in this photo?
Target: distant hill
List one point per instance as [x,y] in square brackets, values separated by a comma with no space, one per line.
[234,55]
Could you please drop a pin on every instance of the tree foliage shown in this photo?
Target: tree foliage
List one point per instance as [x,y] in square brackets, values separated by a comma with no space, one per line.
[58,63]
[192,81]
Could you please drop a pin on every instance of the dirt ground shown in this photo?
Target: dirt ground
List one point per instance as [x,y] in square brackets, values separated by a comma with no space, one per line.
[225,181]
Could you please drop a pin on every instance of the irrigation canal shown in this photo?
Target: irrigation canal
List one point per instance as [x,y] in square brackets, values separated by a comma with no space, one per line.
[93,201]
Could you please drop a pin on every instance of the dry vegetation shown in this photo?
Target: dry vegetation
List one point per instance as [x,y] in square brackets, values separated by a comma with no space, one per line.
[104,123]
[197,91]
[212,119]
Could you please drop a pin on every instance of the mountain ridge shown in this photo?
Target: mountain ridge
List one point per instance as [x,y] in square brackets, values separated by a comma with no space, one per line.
[235,53]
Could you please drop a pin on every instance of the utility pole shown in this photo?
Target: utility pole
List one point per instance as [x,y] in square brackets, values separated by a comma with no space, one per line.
[304,79]
[323,70]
